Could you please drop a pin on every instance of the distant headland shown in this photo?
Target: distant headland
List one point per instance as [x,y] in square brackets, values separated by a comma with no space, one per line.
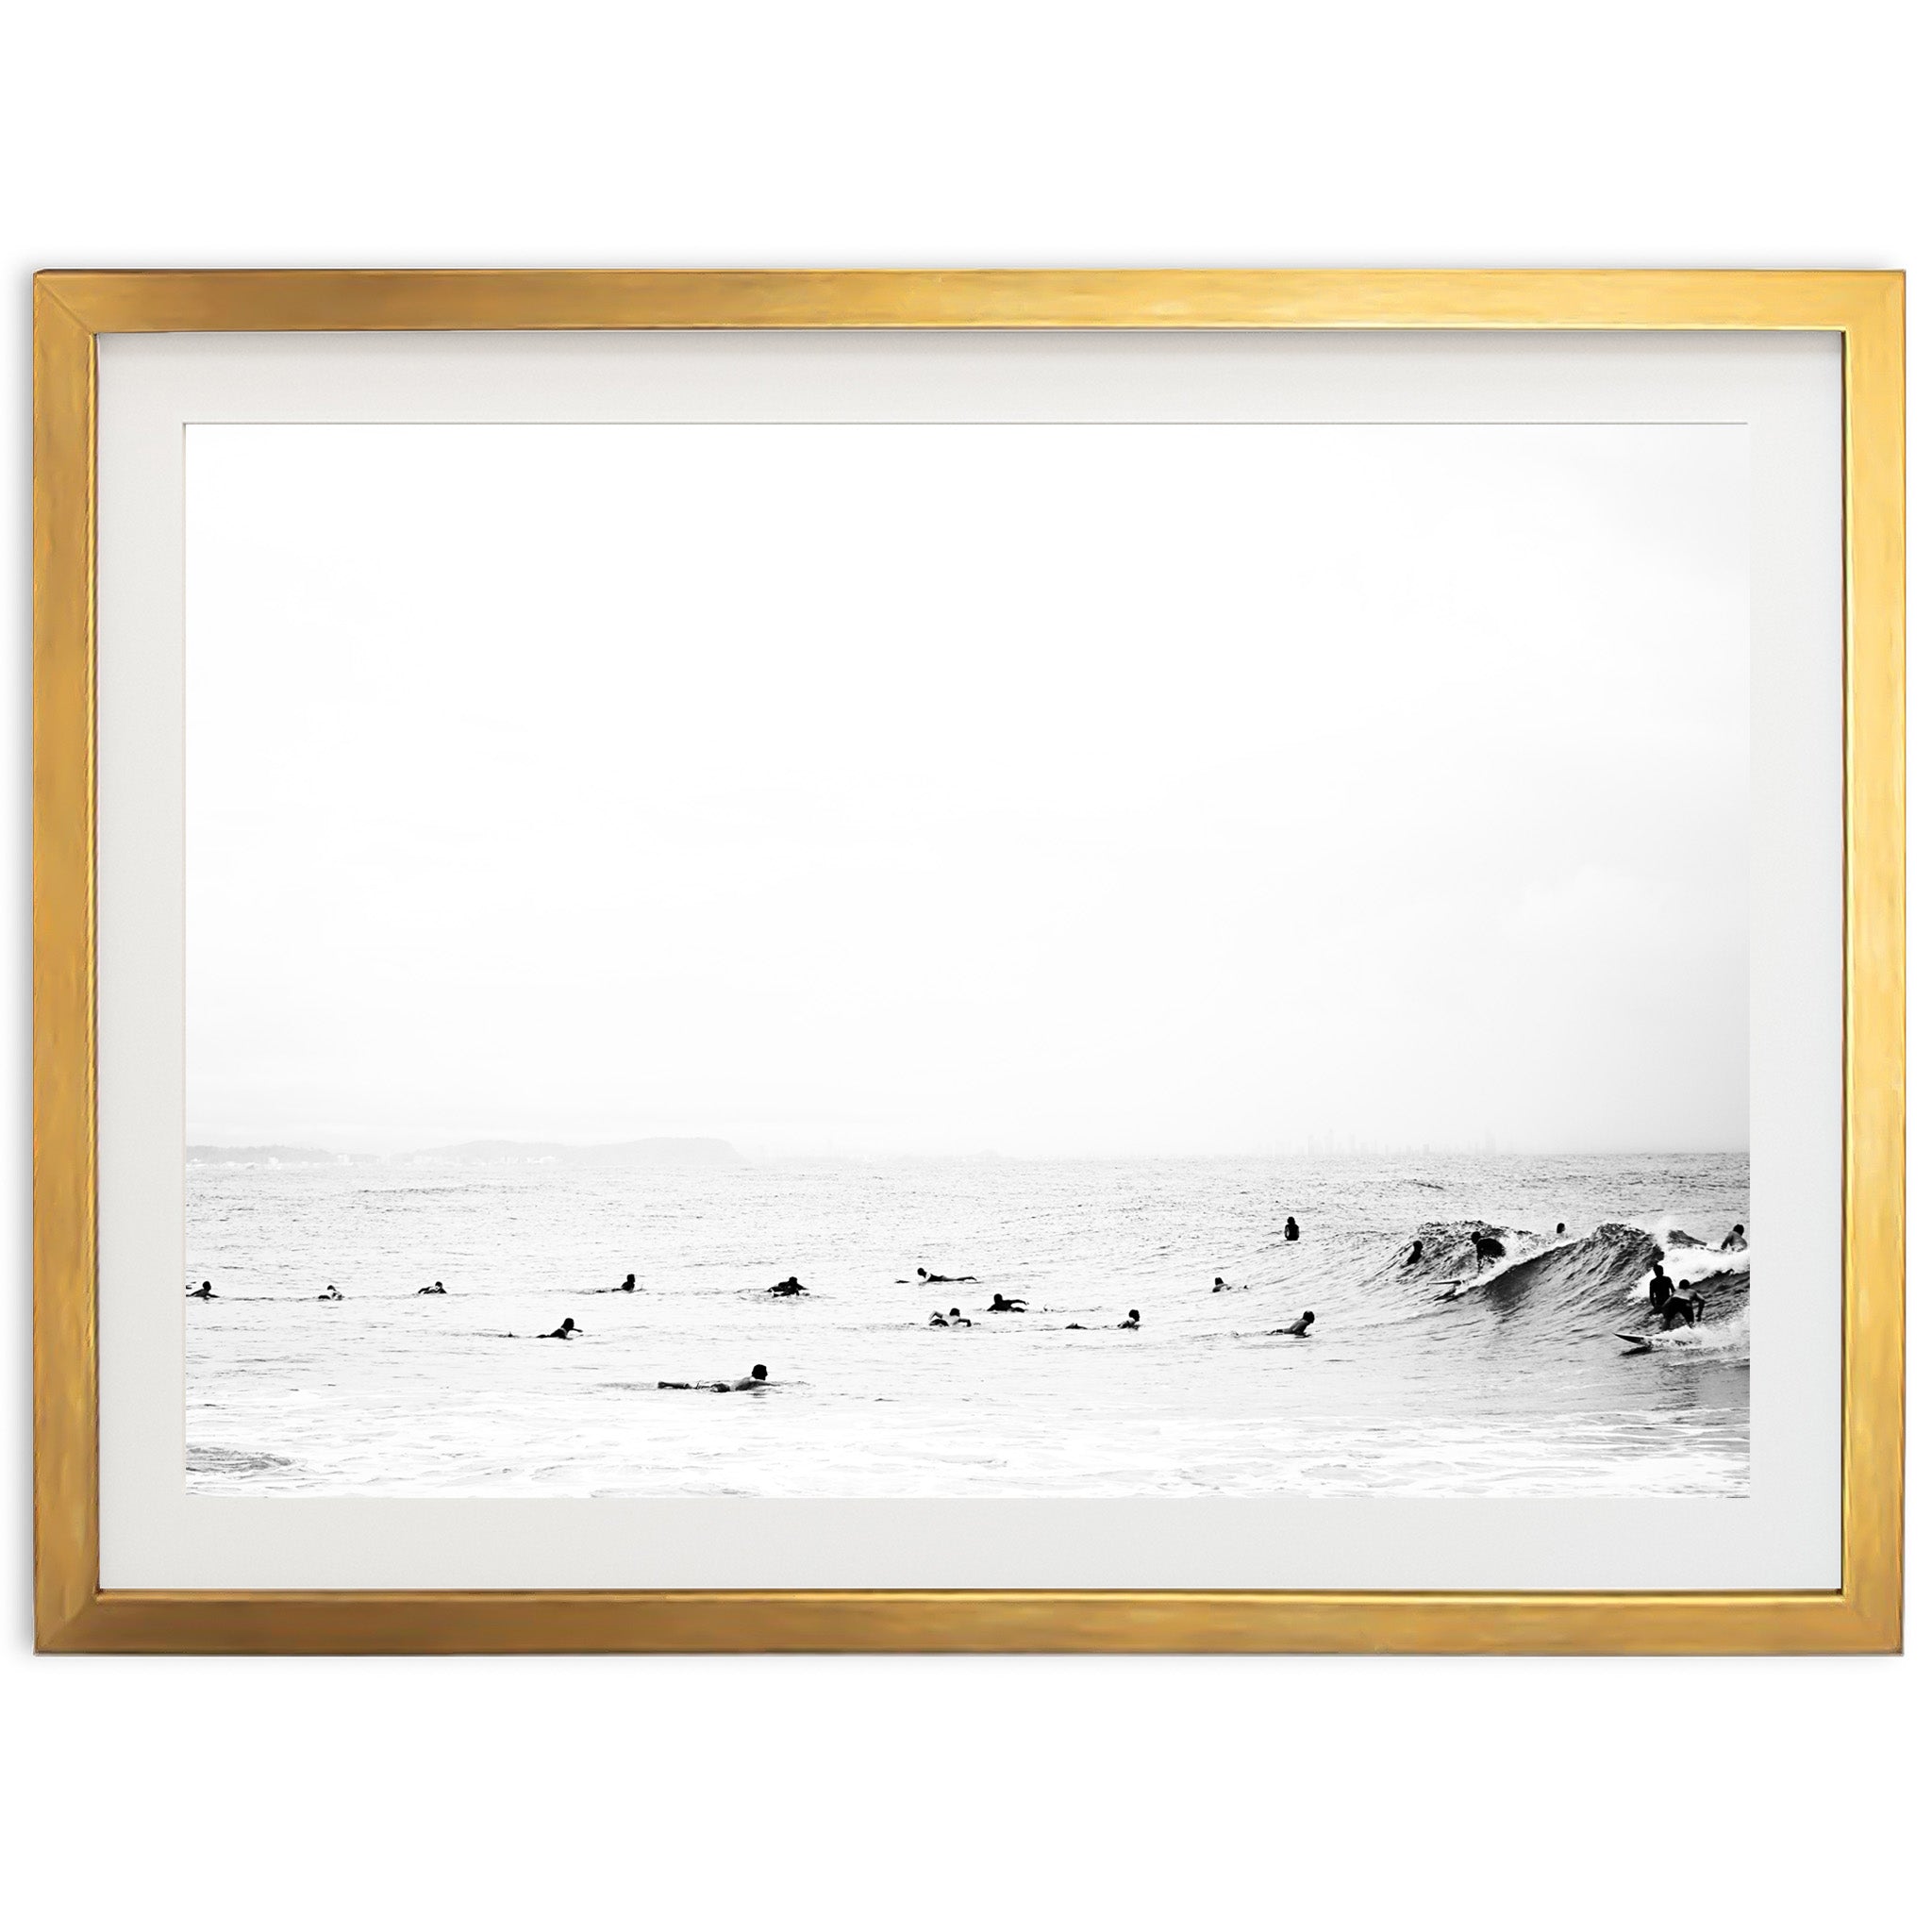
[651,1153]
[655,1153]
[264,1157]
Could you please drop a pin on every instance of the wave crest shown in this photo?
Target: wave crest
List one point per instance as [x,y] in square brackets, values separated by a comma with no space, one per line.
[1443,1251]
[1587,1285]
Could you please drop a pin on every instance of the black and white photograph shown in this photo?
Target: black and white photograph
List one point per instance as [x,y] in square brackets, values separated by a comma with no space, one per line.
[968,959]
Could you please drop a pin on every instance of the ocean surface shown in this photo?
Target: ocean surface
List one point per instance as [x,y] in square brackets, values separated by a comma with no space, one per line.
[1515,1387]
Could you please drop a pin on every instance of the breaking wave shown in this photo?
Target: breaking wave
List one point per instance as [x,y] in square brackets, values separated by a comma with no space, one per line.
[1595,1284]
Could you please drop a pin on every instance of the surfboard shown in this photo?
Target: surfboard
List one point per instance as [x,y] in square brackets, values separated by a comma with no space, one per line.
[1640,1345]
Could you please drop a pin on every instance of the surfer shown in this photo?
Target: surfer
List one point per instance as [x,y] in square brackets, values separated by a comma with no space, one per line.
[1005,1305]
[1133,1319]
[1293,1230]
[1415,1255]
[1675,1304]
[1221,1287]
[439,1289]
[933,1280]
[1488,1248]
[755,1380]
[937,1321]
[1685,1309]
[627,1286]
[1300,1326]
[569,1332]
[791,1285]
[1660,1285]
[1560,1230]
[206,1293]
[955,1319]
[331,1294]
[1734,1240]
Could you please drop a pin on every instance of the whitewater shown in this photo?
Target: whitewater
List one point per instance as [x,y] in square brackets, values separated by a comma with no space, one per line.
[1416,1379]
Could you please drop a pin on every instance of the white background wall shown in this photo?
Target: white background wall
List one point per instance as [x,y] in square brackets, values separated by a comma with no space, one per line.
[1352,1792]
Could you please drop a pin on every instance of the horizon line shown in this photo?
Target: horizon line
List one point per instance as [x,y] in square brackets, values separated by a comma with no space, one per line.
[758,1151]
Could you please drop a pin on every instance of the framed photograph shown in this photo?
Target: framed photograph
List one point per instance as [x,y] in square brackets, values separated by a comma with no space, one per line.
[983,961]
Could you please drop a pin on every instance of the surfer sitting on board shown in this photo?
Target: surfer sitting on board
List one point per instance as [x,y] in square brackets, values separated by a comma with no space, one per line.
[1293,1230]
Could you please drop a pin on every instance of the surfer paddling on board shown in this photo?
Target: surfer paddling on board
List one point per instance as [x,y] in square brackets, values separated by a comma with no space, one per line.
[206,1293]
[755,1380]
[1734,1240]
[1005,1305]
[1299,1327]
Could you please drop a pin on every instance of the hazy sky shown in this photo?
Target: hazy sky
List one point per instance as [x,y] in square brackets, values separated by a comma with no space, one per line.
[1083,789]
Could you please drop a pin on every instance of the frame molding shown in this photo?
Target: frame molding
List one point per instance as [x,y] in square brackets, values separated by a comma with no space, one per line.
[71,1610]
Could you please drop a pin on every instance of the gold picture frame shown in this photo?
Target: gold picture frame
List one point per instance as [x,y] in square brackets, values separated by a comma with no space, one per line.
[74,1613]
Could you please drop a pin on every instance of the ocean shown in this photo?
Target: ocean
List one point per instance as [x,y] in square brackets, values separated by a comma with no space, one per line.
[1515,1387]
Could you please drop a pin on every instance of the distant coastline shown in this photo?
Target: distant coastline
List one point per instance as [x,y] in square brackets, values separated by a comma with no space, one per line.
[652,1153]
[648,1153]
[263,1157]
